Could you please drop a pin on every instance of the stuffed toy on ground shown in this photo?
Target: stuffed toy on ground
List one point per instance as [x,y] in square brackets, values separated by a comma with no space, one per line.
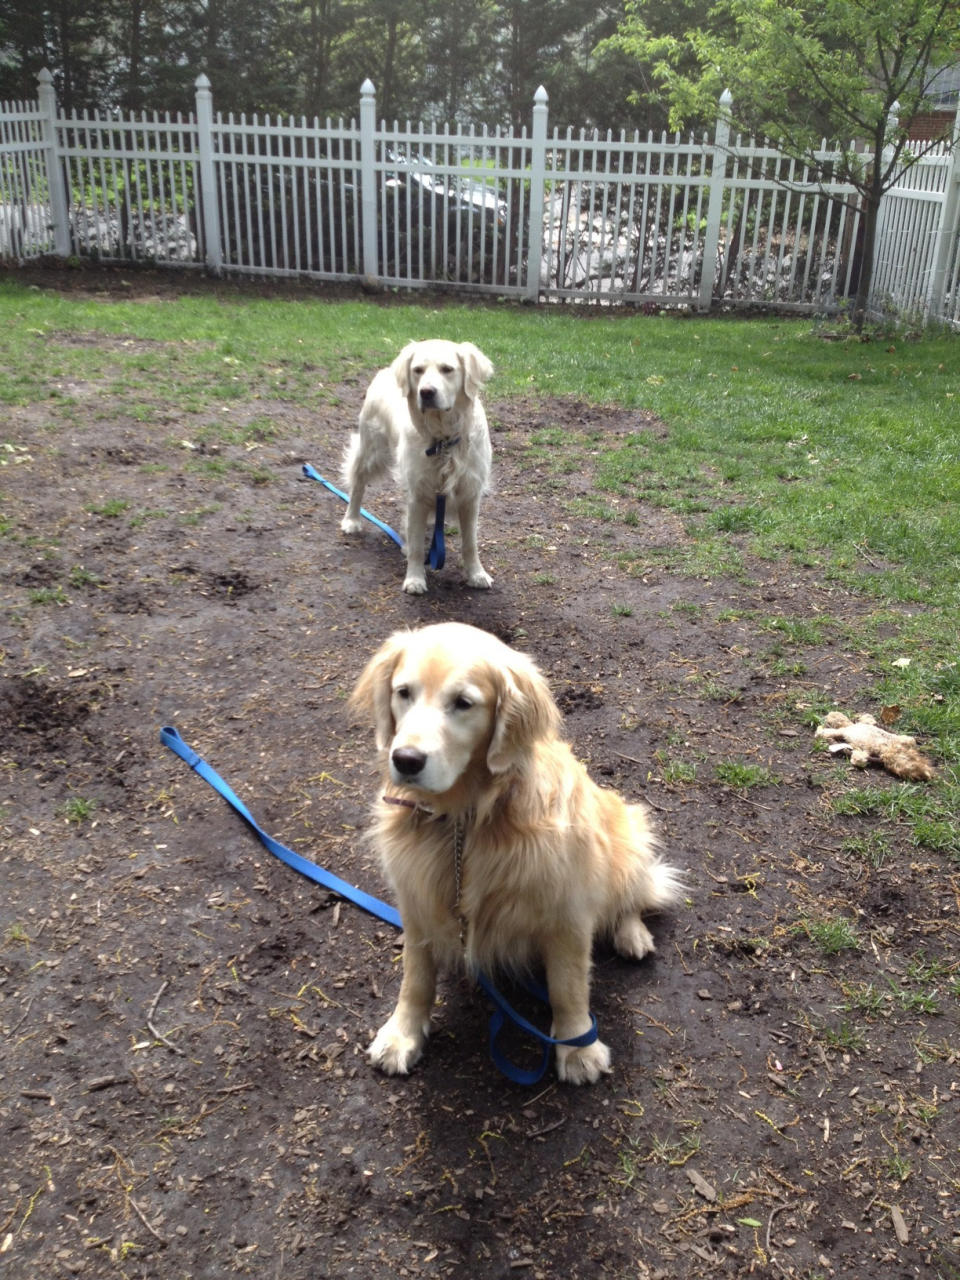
[868,743]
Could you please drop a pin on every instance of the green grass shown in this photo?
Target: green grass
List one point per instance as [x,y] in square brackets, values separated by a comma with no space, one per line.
[743,775]
[832,935]
[839,457]
[78,810]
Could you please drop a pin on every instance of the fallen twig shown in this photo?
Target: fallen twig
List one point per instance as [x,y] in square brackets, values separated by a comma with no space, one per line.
[143,1218]
[158,1035]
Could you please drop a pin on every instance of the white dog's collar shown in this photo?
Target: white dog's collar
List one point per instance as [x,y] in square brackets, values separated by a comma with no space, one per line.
[442,445]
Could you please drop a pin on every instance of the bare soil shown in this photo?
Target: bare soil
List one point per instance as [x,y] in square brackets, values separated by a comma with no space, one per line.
[183,1019]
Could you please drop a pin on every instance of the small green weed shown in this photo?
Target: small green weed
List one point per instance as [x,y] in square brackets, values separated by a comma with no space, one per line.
[873,847]
[110,509]
[794,631]
[845,1038]
[898,1168]
[138,520]
[858,802]
[622,610]
[831,936]
[81,577]
[867,999]
[189,519]
[743,775]
[679,772]
[715,690]
[78,810]
[48,595]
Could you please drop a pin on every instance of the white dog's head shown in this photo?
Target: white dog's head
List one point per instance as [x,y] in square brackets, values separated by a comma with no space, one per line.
[450,703]
[439,375]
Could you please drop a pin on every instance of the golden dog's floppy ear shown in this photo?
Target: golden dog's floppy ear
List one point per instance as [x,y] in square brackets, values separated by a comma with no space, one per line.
[526,713]
[401,367]
[372,692]
[477,369]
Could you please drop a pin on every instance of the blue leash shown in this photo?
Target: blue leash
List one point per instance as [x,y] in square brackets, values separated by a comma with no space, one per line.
[385,528]
[437,553]
[503,1011]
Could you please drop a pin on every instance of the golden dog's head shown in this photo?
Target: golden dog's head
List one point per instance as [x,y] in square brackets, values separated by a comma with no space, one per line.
[453,705]
[440,375]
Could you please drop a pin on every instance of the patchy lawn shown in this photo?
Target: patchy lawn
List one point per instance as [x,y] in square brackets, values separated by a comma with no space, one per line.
[185,1091]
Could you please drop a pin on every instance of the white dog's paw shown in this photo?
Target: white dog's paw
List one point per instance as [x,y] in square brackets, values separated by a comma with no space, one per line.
[415,585]
[479,579]
[349,525]
[396,1049]
[585,1065]
[633,939]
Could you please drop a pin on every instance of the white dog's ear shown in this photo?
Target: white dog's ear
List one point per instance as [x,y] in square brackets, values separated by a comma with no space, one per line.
[477,369]
[372,692]
[526,713]
[401,367]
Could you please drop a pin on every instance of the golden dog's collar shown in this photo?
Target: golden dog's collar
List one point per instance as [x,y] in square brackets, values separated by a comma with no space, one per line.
[415,805]
[458,841]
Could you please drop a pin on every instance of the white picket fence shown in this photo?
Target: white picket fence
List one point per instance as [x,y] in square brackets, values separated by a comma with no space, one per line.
[588,218]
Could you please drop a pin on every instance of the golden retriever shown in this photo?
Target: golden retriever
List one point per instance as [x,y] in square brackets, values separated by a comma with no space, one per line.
[547,860]
[423,414]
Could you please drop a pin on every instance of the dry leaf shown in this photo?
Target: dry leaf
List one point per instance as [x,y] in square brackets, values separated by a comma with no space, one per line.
[701,1185]
[899,1225]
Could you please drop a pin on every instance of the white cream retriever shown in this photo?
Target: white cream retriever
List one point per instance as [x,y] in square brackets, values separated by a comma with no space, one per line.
[424,415]
[502,853]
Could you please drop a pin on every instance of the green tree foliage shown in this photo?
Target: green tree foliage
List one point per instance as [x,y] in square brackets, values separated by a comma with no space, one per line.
[478,59]
[800,71]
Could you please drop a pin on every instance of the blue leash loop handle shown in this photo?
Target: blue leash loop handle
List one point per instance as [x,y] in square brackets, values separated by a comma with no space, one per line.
[503,1010]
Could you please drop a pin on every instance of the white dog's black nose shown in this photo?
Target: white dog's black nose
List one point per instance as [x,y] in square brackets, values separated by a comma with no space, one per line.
[408,761]
[428,395]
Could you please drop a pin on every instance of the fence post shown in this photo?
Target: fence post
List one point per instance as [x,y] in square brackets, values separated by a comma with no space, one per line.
[59,212]
[538,180]
[948,233]
[710,270]
[209,207]
[368,182]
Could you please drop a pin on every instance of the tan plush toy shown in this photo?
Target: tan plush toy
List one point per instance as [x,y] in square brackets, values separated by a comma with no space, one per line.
[867,742]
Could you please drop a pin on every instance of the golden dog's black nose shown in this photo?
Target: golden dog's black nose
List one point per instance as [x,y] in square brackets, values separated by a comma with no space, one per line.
[408,761]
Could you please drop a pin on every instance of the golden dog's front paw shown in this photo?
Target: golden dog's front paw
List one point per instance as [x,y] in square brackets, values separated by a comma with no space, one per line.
[415,585]
[479,579]
[583,1066]
[395,1049]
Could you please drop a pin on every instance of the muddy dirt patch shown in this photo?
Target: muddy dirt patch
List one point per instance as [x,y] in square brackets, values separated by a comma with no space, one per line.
[185,1090]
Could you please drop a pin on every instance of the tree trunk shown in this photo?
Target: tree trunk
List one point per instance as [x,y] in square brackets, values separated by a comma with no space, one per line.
[386,92]
[870,215]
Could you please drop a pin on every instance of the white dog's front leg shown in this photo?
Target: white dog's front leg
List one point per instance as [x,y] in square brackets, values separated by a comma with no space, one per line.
[415,583]
[477,576]
[399,1043]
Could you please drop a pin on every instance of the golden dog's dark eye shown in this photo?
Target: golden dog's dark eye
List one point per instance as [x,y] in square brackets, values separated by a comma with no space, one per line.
[402,692]
[462,703]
